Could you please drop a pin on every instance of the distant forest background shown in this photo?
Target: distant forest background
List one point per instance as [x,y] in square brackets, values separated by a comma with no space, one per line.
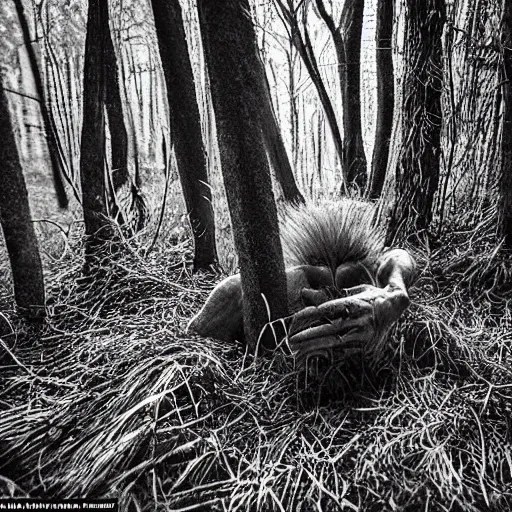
[301,45]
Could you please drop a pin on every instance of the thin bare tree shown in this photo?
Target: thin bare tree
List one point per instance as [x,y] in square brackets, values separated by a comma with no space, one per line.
[293,17]
[58,163]
[346,36]
[385,97]
[273,138]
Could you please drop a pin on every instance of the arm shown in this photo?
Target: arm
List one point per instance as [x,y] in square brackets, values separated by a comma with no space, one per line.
[221,316]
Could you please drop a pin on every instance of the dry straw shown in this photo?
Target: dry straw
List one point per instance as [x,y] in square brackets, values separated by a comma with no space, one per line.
[111,398]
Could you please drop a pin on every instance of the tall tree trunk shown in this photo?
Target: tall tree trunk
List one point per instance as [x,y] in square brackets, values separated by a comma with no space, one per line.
[385,97]
[70,101]
[506,177]
[135,214]
[321,142]
[417,168]
[16,222]
[274,141]
[231,54]
[185,125]
[116,124]
[350,80]
[58,166]
[92,150]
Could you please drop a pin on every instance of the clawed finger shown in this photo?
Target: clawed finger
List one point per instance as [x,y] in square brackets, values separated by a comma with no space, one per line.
[328,318]
[350,323]
[337,332]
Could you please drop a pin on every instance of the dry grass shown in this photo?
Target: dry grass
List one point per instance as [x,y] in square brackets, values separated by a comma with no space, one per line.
[110,398]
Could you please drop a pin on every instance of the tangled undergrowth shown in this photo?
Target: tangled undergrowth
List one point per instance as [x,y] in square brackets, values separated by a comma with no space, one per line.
[110,398]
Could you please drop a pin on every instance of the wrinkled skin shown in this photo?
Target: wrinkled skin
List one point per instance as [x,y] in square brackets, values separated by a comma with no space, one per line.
[359,319]
[352,311]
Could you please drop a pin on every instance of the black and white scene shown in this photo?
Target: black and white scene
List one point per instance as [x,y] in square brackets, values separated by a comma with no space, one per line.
[256,255]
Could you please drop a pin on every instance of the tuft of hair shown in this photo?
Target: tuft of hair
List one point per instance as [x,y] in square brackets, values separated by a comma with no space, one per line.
[330,233]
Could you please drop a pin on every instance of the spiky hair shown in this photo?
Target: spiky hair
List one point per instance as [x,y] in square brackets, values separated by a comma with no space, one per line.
[330,234]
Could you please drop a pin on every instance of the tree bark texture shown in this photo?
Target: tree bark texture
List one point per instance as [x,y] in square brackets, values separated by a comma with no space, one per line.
[231,54]
[417,168]
[56,158]
[385,97]
[350,80]
[185,124]
[16,221]
[116,124]
[506,177]
[92,151]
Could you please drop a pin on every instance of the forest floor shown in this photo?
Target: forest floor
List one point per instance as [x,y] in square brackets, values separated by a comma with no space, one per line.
[109,397]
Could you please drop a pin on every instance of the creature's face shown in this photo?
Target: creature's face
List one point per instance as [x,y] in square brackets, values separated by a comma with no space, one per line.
[346,292]
[353,315]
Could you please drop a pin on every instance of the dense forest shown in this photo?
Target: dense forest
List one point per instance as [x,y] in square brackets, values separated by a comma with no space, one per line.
[256,254]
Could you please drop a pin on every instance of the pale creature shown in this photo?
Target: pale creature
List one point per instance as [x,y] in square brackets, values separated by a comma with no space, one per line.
[345,290]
